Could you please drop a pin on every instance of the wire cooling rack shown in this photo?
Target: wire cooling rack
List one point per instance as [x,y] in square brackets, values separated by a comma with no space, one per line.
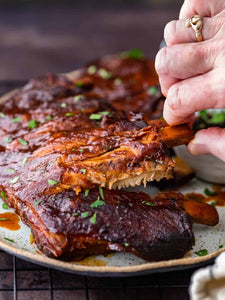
[21,280]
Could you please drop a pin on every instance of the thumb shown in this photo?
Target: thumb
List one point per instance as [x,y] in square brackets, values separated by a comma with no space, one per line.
[209,141]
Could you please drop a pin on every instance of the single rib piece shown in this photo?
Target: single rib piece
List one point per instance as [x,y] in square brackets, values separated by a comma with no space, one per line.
[80,141]
[68,226]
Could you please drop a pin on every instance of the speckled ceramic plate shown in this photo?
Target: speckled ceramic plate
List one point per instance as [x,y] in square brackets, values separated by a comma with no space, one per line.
[121,264]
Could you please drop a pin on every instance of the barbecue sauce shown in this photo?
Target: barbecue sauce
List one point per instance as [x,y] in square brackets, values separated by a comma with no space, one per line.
[91,261]
[31,239]
[9,221]
[218,199]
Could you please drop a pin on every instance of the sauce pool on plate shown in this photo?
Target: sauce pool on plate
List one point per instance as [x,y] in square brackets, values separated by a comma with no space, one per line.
[9,221]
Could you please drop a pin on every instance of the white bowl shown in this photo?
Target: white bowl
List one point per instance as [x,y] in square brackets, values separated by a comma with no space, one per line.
[207,167]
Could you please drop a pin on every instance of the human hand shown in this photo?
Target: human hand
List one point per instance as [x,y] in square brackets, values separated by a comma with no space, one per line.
[191,74]
[204,8]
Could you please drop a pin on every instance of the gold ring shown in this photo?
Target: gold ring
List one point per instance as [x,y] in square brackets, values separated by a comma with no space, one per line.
[196,23]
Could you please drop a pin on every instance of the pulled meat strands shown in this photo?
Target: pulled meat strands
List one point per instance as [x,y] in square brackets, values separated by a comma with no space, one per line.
[68,226]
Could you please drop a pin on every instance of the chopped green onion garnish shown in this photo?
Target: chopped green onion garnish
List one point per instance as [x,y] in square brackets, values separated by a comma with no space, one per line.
[52,182]
[49,118]
[101,192]
[117,81]
[95,116]
[4,219]
[36,202]
[93,218]
[63,104]
[86,193]
[104,73]
[23,142]
[152,90]
[32,124]
[75,214]
[25,160]
[207,192]
[99,115]
[83,171]
[134,53]
[79,84]
[78,97]
[5,206]
[10,171]
[85,214]
[14,180]
[3,195]
[150,203]
[91,69]
[97,203]
[12,241]
[106,147]
[16,120]
[2,115]
[202,252]
[69,114]
[8,139]
[126,244]
[81,150]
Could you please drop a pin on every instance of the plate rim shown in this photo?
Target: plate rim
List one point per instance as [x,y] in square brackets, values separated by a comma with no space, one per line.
[113,270]
[150,267]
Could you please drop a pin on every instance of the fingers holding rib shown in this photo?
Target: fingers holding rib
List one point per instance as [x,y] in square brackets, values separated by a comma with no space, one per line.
[179,62]
[209,141]
[194,94]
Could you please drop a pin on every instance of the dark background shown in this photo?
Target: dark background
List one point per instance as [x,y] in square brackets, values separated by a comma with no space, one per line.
[58,36]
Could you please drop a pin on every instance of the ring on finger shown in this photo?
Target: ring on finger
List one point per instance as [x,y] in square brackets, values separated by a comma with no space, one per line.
[196,22]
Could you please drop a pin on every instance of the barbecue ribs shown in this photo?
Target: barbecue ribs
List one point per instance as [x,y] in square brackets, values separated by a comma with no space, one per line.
[62,137]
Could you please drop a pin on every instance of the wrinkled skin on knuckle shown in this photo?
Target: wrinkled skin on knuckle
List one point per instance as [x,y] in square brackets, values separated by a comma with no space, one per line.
[161,62]
[174,98]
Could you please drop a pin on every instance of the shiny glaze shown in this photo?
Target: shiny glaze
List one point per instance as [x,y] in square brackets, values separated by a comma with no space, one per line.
[124,222]
[11,221]
[66,140]
[118,144]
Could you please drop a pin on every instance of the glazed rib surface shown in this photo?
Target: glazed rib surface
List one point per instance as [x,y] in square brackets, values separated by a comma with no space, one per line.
[61,136]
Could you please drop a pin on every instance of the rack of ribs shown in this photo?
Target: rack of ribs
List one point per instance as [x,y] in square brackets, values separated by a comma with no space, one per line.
[61,143]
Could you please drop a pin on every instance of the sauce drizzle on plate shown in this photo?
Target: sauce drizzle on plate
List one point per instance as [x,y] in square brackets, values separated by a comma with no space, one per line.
[9,221]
